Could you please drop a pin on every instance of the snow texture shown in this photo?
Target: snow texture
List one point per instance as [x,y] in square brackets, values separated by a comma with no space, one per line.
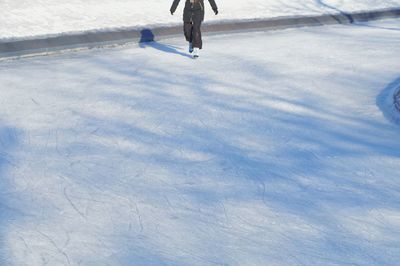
[32,18]
[140,155]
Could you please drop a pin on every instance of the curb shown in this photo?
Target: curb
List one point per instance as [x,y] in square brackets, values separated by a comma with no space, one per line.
[87,40]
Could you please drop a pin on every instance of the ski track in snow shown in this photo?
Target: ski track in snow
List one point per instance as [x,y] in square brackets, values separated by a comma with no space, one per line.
[32,18]
[139,155]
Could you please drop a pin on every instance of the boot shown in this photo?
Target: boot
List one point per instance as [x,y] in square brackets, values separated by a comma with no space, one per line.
[196,53]
[190,47]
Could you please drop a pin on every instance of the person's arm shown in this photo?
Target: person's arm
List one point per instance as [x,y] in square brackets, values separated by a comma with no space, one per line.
[214,6]
[174,6]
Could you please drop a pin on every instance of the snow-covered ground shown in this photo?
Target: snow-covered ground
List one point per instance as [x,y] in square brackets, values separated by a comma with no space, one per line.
[28,18]
[272,150]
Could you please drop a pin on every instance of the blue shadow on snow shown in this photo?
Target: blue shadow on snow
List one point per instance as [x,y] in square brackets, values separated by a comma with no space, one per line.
[8,140]
[147,40]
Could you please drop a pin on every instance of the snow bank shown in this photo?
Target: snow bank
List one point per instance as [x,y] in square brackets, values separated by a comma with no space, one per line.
[397,99]
[28,18]
[389,101]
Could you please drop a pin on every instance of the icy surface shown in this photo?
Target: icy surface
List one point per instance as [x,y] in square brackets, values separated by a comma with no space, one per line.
[142,156]
[28,18]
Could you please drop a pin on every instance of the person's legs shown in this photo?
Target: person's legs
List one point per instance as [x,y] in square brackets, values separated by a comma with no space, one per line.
[188,30]
[196,34]
[192,30]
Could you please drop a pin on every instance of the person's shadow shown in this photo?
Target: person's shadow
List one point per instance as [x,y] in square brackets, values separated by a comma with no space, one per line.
[147,40]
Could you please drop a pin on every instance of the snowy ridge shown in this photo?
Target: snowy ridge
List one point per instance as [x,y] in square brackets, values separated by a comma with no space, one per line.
[24,19]
[337,14]
[101,38]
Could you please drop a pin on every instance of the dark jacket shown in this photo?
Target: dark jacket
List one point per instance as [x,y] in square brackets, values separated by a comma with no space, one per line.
[196,10]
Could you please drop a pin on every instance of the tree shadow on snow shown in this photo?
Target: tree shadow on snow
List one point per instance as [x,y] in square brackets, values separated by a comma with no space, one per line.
[347,15]
[8,140]
[301,184]
[369,25]
[223,154]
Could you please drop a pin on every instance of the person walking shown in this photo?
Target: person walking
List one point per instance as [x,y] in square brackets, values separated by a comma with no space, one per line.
[193,16]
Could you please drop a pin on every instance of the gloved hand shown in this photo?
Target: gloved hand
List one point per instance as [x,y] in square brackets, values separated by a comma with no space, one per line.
[216,11]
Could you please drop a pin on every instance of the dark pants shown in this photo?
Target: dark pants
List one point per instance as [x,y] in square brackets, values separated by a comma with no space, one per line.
[193,33]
